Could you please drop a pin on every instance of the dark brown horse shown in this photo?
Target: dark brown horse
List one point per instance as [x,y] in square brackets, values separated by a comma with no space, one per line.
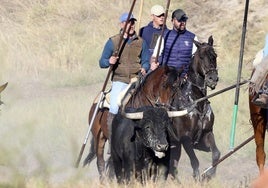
[157,89]
[258,116]
[195,129]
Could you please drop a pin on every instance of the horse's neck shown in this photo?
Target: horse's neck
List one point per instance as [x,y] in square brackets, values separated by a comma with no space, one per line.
[139,99]
[195,80]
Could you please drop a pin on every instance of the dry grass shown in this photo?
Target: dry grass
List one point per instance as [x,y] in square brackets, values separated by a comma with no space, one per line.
[49,53]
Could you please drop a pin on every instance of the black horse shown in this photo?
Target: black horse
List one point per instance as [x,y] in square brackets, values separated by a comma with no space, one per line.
[195,130]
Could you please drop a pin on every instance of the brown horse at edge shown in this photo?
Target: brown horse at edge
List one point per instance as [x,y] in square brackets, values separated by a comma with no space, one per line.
[258,116]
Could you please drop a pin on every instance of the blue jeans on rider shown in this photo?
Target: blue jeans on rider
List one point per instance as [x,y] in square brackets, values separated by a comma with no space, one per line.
[117,87]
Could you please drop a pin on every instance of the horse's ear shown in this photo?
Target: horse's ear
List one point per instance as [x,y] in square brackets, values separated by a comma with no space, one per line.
[210,40]
[198,44]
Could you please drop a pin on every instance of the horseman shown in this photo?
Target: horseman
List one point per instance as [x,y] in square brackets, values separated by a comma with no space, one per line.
[178,46]
[132,59]
[258,82]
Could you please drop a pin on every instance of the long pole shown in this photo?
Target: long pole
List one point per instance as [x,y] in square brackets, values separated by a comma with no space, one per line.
[235,109]
[117,51]
[219,92]
[140,14]
[163,30]
[228,154]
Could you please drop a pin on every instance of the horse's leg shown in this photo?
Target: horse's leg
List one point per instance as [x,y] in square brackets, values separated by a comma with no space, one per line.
[259,120]
[175,155]
[259,135]
[207,144]
[101,139]
[189,149]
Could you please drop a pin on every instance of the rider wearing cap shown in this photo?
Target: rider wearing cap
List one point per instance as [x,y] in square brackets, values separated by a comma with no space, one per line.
[178,44]
[134,59]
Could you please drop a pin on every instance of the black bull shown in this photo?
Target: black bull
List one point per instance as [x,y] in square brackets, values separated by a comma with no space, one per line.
[141,146]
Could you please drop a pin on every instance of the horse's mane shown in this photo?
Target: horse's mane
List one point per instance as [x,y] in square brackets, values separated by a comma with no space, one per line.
[161,79]
[168,73]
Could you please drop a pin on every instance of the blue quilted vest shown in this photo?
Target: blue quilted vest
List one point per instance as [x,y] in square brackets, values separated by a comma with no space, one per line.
[178,50]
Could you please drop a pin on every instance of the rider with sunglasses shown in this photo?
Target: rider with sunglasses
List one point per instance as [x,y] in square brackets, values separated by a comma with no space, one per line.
[178,44]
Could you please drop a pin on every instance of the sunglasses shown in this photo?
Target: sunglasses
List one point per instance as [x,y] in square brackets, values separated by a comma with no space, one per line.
[160,15]
[183,19]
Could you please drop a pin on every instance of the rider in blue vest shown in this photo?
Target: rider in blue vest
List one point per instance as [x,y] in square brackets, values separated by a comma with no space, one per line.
[178,44]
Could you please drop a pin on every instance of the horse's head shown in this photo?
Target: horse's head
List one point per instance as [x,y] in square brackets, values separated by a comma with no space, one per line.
[204,63]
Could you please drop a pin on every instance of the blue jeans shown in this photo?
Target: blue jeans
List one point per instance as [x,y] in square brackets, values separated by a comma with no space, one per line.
[117,87]
[265,49]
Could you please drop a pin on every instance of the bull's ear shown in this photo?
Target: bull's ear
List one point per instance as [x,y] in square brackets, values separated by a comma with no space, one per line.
[136,128]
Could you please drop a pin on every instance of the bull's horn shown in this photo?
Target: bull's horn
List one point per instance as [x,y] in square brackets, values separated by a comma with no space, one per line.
[177,113]
[2,87]
[135,115]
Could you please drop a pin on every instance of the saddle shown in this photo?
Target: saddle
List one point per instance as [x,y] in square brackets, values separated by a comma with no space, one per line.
[258,86]
[261,98]
[105,103]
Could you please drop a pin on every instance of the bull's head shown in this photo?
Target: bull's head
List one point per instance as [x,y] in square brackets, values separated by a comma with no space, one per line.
[152,129]
[2,87]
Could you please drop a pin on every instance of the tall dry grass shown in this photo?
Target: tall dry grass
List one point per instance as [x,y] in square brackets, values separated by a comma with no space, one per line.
[49,53]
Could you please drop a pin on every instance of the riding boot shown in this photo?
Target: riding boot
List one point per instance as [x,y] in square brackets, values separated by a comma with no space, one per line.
[261,100]
[109,126]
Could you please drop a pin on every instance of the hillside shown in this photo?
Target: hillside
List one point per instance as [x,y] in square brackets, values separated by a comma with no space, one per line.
[47,38]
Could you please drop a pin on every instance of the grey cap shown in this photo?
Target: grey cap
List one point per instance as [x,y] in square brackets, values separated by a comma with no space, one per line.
[180,15]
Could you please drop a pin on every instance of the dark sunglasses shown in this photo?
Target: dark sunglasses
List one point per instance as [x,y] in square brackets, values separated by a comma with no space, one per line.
[160,15]
[183,19]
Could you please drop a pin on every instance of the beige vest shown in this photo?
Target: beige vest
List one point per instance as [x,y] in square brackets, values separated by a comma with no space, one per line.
[129,63]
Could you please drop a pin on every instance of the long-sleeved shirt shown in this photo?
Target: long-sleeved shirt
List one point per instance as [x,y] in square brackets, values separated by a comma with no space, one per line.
[128,60]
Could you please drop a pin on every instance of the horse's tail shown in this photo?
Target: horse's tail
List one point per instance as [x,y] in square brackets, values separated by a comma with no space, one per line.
[92,153]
